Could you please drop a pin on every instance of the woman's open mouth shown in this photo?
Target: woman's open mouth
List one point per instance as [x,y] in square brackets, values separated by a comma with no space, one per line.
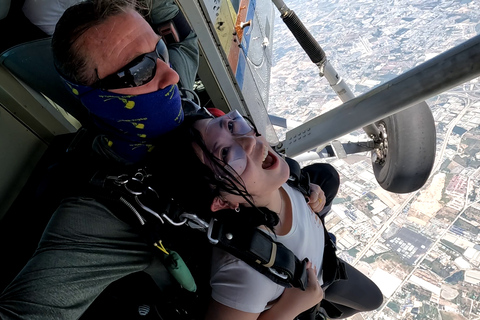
[269,159]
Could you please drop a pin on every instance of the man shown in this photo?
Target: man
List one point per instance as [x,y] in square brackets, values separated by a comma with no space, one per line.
[86,247]
[114,62]
[133,97]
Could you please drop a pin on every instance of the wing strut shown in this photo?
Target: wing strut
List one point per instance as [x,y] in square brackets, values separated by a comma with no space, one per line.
[447,70]
[319,58]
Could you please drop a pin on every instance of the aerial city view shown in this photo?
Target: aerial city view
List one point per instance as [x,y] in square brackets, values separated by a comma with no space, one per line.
[421,248]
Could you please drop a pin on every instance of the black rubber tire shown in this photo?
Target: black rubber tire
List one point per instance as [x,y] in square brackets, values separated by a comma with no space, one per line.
[411,138]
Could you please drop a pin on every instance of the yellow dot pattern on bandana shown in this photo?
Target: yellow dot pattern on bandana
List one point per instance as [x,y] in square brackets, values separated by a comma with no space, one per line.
[142,135]
[177,118]
[140,126]
[130,104]
[75,91]
[110,143]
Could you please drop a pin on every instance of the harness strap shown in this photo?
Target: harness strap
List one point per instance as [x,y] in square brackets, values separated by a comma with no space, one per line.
[333,268]
[174,30]
[298,179]
[253,246]
[158,216]
[262,253]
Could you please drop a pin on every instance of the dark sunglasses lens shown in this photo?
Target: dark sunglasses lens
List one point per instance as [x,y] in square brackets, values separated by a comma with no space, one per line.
[162,51]
[138,72]
[142,72]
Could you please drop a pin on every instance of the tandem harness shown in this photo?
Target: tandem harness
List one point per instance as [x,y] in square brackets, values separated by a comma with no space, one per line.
[253,246]
[124,187]
[157,217]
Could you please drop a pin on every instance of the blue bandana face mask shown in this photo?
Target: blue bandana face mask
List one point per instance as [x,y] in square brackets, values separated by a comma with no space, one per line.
[131,122]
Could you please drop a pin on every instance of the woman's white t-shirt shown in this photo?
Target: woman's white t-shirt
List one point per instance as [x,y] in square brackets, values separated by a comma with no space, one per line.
[239,286]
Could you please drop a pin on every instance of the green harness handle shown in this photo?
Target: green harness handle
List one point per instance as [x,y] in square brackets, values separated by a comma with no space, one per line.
[179,270]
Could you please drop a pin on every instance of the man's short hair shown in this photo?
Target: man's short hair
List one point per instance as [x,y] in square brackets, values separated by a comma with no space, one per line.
[70,60]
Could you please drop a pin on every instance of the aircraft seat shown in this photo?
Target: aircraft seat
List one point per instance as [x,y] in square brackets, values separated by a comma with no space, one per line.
[32,63]
[36,113]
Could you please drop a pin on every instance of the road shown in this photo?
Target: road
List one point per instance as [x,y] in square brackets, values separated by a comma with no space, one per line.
[436,167]
[451,126]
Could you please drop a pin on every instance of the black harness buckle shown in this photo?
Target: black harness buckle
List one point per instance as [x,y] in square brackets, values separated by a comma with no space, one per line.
[301,276]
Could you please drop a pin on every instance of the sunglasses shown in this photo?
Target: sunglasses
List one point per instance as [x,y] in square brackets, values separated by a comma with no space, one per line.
[234,154]
[136,73]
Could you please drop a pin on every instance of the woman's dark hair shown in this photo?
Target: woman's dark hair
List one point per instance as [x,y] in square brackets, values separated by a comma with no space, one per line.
[193,185]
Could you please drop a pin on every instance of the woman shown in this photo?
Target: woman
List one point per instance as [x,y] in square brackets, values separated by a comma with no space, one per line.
[222,167]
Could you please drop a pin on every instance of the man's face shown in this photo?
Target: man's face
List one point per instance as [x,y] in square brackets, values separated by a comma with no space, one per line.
[116,42]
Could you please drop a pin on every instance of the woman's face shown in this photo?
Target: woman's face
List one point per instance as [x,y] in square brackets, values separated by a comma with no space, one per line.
[232,139]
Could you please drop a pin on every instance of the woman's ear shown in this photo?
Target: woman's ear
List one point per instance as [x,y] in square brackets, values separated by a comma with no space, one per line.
[219,204]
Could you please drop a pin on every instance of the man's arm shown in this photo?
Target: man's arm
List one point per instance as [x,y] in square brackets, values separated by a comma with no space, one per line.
[183,54]
[4,8]
[184,59]
[83,249]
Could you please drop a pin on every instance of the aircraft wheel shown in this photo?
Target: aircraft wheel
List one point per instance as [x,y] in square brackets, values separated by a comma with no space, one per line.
[406,153]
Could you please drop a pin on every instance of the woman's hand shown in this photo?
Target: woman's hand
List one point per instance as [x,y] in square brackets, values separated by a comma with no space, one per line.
[304,300]
[317,198]
[291,303]
[294,301]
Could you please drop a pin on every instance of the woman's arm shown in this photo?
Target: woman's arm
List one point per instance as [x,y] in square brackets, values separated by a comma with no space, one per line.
[291,303]
[294,301]
[217,311]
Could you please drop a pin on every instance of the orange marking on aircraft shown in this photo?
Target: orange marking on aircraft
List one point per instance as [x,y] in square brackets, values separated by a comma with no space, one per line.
[237,37]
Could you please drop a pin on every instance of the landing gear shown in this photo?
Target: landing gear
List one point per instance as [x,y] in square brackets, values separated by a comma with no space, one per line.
[404,143]
[405,149]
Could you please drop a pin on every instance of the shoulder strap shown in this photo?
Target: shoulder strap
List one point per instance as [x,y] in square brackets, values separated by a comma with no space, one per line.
[298,180]
[261,252]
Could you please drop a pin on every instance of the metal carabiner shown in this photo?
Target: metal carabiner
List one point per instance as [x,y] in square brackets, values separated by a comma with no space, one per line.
[209,233]
[177,224]
[141,174]
[144,207]
[119,180]
[135,193]
[193,217]
[278,274]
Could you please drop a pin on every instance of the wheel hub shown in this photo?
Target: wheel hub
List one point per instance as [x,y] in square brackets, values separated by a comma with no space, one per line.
[380,152]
